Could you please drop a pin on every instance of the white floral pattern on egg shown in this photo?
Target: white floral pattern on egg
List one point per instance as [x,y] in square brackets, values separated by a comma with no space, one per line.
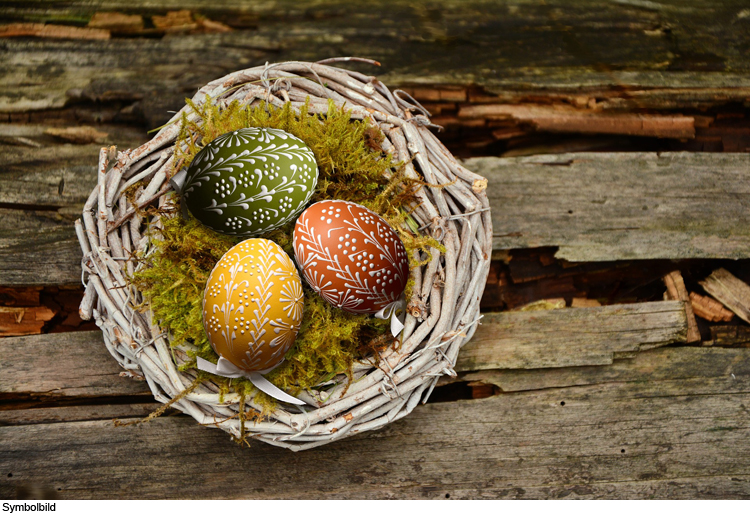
[252,305]
[350,256]
[250,181]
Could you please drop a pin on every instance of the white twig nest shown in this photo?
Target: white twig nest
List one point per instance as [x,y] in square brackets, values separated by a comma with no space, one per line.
[442,314]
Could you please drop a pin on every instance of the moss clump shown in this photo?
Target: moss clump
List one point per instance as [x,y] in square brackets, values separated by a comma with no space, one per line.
[349,168]
[352,167]
[175,275]
[329,329]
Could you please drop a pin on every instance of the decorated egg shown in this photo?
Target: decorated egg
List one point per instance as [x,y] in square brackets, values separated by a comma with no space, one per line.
[250,181]
[350,256]
[252,305]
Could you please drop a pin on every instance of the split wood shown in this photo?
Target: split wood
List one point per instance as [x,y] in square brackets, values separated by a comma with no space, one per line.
[570,120]
[709,309]
[730,291]
[676,291]
[444,309]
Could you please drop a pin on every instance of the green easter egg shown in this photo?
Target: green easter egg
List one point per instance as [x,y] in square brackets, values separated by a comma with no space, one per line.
[250,181]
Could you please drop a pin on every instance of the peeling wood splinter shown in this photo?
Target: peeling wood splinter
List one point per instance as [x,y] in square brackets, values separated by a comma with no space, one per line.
[730,291]
[676,291]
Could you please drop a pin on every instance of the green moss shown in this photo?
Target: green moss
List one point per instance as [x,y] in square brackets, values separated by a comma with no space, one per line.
[352,167]
[175,275]
[343,336]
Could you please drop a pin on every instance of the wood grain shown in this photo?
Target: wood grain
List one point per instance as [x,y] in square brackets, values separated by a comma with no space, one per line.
[730,291]
[52,31]
[594,207]
[664,364]
[728,336]
[511,340]
[660,55]
[650,438]
[620,206]
[546,118]
[56,175]
[79,411]
[571,336]
[664,423]
[61,366]
[38,248]
[676,291]
[707,308]
[23,320]
[85,411]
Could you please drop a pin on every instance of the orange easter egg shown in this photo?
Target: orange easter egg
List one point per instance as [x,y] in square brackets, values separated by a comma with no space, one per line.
[252,305]
[350,256]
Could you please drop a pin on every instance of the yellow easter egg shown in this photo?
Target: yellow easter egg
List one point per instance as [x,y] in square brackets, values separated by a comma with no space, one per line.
[252,305]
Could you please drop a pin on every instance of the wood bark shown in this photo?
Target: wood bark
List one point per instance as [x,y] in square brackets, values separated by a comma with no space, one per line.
[567,119]
[709,309]
[23,320]
[119,22]
[52,31]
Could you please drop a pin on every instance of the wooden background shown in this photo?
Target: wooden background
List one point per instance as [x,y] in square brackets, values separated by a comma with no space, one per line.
[615,137]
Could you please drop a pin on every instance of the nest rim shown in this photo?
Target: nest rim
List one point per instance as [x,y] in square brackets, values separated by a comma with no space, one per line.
[442,314]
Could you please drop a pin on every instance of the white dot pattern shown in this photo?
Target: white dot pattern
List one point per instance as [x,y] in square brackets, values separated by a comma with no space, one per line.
[252,305]
[350,256]
[250,181]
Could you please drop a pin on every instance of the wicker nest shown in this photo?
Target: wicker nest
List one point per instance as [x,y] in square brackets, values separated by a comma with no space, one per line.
[442,314]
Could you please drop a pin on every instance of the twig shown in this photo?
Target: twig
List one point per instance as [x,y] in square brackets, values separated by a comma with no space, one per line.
[446,292]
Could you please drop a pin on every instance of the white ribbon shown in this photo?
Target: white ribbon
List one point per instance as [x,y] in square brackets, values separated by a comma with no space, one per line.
[228,370]
[397,312]
[177,182]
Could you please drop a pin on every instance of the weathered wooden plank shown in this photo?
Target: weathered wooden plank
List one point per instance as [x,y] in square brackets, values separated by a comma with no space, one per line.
[54,173]
[513,340]
[731,291]
[571,336]
[57,175]
[618,206]
[642,439]
[657,55]
[38,248]
[663,364]
[77,413]
[59,366]
[594,207]
[728,336]
[156,75]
